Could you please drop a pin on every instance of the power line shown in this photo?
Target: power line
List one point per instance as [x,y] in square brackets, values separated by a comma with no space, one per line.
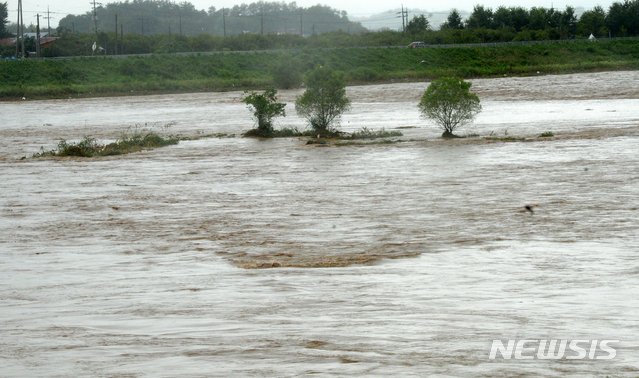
[48,20]
[378,19]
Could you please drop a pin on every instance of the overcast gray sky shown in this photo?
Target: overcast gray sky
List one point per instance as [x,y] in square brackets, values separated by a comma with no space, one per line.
[356,8]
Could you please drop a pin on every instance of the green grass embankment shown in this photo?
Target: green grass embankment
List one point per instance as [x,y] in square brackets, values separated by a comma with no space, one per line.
[218,72]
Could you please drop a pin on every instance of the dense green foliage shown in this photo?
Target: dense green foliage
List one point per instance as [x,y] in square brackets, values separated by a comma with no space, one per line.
[324,100]
[449,103]
[176,73]
[623,18]
[538,23]
[4,20]
[265,107]
[150,17]
[454,21]
[418,24]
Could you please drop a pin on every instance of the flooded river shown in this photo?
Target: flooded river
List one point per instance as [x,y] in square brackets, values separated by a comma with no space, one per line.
[404,259]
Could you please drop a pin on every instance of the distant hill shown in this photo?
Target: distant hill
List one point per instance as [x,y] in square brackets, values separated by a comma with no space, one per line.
[161,17]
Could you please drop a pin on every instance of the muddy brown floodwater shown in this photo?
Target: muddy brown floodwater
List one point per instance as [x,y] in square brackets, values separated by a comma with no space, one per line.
[404,259]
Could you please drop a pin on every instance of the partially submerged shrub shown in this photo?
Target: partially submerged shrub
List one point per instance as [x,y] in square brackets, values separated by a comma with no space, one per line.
[257,133]
[139,138]
[265,107]
[288,132]
[132,140]
[366,133]
[547,134]
[87,147]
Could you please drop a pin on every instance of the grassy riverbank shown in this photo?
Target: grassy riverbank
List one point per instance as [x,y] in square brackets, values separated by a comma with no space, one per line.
[174,73]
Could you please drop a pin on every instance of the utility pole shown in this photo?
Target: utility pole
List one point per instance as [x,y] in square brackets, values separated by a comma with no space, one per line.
[313,29]
[285,25]
[38,38]
[180,23]
[73,28]
[18,28]
[169,31]
[262,21]
[301,24]
[142,19]
[22,29]
[20,32]
[406,18]
[48,21]
[115,52]
[95,19]
[403,13]
[224,20]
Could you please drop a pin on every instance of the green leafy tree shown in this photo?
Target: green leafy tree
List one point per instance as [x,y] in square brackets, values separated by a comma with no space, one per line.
[593,22]
[324,100]
[502,18]
[265,107]
[480,18]
[567,22]
[516,18]
[449,103]
[623,18]
[4,20]
[539,18]
[418,24]
[454,21]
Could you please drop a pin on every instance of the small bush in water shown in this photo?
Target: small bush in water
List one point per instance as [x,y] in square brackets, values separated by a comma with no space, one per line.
[132,140]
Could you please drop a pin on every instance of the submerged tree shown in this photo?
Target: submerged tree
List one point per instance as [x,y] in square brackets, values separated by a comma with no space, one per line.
[265,107]
[324,100]
[449,103]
